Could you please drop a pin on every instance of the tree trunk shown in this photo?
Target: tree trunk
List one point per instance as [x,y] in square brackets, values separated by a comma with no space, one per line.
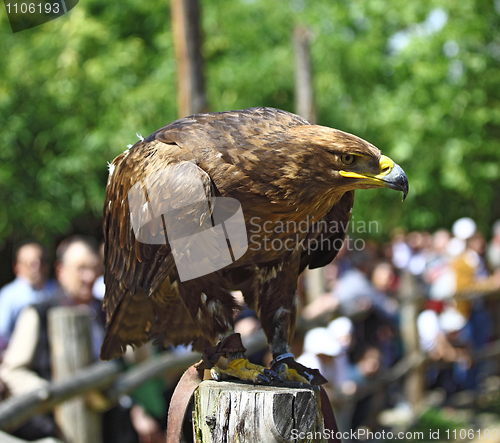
[304,96]
[191,97]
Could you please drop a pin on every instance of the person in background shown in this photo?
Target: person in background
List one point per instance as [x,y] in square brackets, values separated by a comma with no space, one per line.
[320,349]
[99,288]
[401,252]
[453,324]
[419,242]
[30,286]
[493,251]
[493,262]
[473,278]
[26,365]
[355,293]
[441,337]
[384,278]
[438,275]
[366,365]
[471,273]
[341,329]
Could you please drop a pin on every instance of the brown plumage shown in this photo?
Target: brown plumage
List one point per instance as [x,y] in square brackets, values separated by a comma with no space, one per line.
[283,171]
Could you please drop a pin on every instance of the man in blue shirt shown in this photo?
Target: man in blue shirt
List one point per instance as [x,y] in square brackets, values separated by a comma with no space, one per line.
[30,286]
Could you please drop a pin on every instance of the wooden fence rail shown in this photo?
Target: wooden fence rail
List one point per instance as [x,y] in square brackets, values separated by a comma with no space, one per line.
[106,376]
[16,410]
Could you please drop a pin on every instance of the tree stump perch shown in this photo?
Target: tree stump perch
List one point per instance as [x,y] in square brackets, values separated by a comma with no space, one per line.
[239,412]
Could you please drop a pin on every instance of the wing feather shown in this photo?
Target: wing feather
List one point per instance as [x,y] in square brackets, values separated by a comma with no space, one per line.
[135,269]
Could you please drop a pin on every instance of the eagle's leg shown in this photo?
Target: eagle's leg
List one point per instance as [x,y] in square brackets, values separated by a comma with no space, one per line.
[277,308]
[279,331]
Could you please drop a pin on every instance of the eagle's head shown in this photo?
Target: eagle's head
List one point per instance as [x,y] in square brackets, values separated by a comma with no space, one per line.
[342,162]
[361,165]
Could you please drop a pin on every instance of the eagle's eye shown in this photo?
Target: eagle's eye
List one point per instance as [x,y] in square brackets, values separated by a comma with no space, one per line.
[348,159]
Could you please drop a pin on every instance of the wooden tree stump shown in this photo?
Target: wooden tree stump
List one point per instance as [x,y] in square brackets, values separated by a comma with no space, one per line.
[239,412]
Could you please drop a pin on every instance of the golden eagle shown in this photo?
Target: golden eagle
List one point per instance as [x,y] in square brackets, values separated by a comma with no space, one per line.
[291,183]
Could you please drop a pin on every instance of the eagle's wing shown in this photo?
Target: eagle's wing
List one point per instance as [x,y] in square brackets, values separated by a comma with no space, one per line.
[328,239]
[144,196]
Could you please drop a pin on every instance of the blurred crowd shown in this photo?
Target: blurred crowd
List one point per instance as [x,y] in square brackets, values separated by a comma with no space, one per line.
[356,334]
[25,363]
[455,285]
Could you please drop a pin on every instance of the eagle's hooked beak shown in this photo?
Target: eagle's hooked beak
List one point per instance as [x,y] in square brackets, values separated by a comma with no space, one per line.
[390,175]
[395,177]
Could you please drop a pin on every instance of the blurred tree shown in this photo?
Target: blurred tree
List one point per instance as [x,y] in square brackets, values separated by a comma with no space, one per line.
[73,93]
[421,82]
[418,80]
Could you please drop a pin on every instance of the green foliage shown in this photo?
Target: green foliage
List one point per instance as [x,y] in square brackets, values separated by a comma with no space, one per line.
[72,95]
[74,91]
[433,106]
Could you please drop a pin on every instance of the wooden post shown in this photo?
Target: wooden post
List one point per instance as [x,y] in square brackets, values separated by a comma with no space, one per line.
[238,412]
[187,42]
[304,96]
[315,284]
[71,349]
[410,300]
[304,106]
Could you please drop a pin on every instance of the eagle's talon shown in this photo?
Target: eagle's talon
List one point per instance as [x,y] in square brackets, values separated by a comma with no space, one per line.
[272,375]
[241,369]
[217,375]
[287,373]
[263,379]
